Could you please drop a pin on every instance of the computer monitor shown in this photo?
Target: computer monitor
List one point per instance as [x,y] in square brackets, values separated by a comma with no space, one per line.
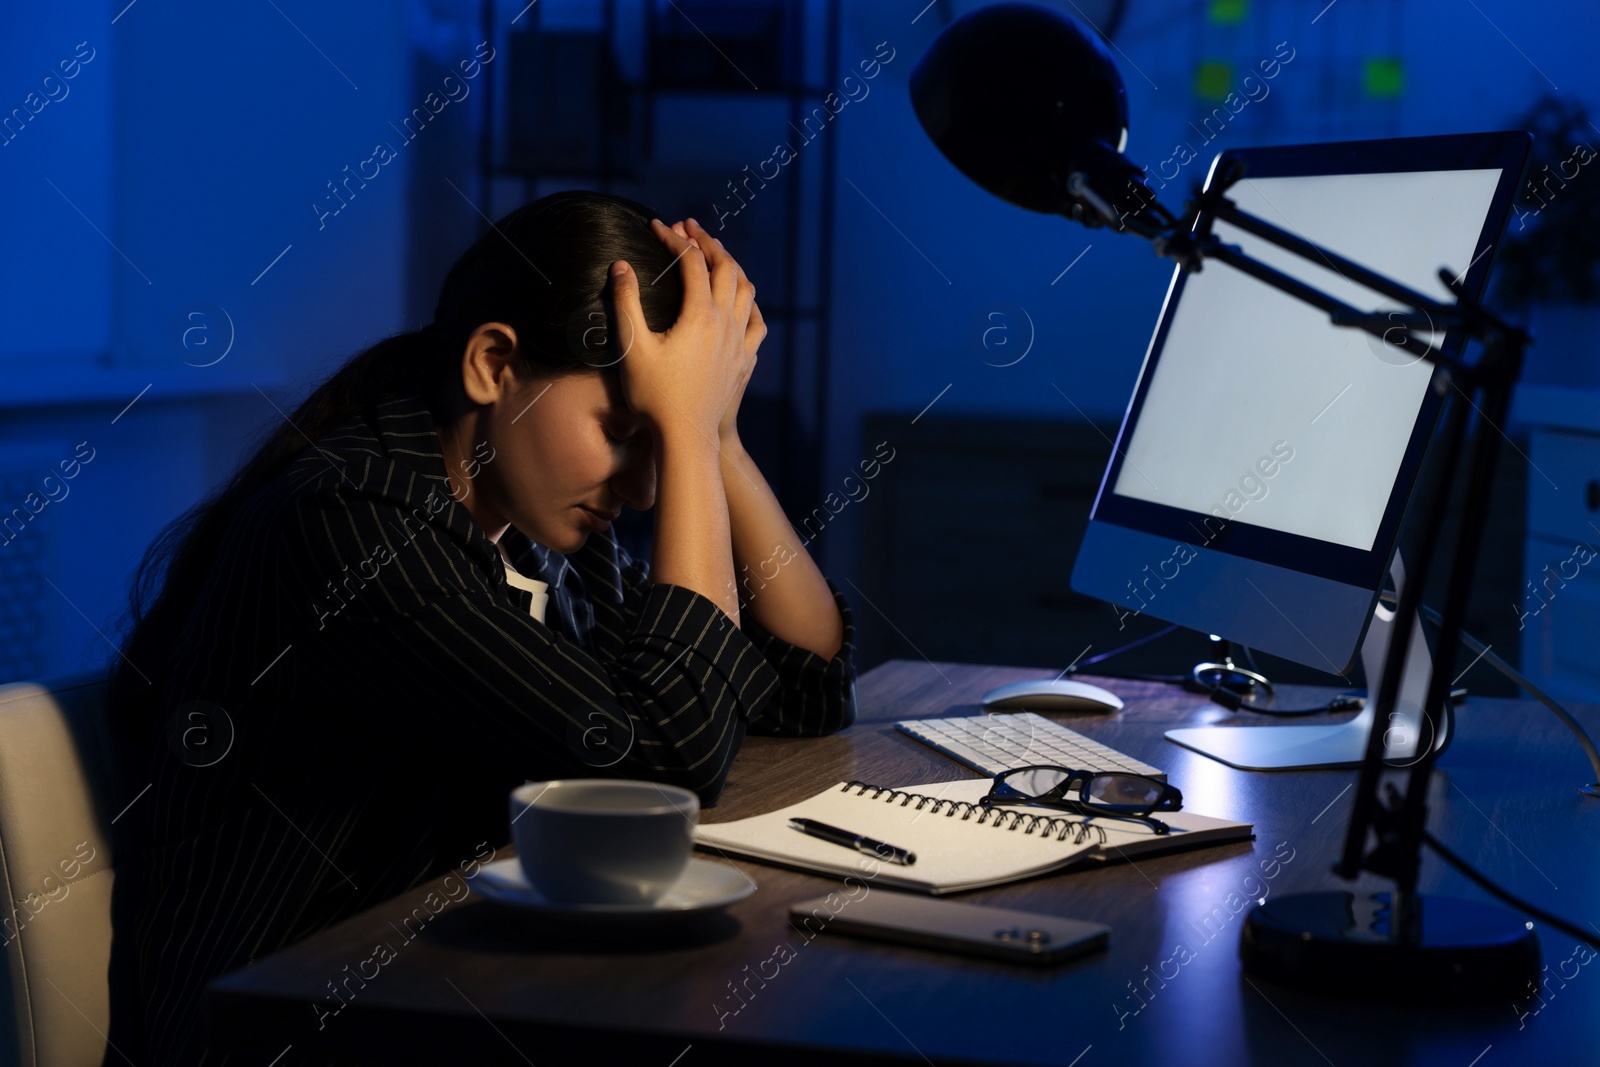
[1266,457]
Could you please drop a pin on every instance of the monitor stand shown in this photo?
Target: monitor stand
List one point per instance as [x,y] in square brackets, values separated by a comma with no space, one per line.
[1276,748]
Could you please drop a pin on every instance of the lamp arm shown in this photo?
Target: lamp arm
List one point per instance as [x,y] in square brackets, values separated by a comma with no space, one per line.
[1379,324]
[1499,368]
[1190,241]
[1367,811]
[1231,213]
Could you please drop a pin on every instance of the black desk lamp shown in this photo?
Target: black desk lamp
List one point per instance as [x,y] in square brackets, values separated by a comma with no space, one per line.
[1029,105]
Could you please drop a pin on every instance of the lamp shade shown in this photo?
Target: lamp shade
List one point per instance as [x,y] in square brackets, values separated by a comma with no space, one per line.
[1018,97]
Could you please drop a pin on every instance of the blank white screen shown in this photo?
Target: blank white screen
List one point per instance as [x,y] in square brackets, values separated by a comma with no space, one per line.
[1245,366]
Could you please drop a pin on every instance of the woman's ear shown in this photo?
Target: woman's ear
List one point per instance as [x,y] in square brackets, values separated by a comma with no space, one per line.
[487,368]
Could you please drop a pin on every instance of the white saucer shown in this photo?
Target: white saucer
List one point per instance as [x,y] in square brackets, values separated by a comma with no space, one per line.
[704,887]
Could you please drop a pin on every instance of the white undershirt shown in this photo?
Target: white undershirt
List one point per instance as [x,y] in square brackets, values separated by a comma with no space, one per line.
[516,580]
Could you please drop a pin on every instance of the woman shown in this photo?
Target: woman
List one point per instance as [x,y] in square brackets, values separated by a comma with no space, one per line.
[409,601]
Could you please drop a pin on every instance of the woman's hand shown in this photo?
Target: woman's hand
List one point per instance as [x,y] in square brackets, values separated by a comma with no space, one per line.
[691,376]
[755,332]
[794,604]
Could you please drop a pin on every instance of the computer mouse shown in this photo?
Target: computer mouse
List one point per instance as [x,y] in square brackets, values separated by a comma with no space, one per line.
[1060,694]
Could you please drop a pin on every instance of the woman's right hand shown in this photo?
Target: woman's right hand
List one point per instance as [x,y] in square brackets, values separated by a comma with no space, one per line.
[685,377]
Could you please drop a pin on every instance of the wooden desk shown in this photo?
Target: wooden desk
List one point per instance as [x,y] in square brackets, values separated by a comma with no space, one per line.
[478,982]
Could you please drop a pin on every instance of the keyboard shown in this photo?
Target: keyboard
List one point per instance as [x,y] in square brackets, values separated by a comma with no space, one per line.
[990,744]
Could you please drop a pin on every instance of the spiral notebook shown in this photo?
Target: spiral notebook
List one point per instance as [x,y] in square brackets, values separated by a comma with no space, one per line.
[959,845]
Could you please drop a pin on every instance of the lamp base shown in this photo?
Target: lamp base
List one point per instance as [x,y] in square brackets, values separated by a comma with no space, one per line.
[1337,944]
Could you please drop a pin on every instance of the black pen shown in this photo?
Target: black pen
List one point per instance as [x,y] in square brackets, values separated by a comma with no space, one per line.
[858,842]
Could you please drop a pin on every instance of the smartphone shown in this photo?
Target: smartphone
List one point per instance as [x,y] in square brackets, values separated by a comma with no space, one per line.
[969,929]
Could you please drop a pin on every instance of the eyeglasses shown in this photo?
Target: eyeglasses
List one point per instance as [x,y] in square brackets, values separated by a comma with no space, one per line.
[1125,796]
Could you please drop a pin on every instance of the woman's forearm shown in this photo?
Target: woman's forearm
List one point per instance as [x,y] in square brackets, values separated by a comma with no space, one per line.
[691,532]
[777,579]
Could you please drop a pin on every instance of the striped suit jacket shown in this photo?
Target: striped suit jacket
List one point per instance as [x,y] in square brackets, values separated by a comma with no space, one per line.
[358,688]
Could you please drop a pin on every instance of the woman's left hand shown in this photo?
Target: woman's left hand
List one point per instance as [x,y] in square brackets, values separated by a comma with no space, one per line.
[796,605]
[755,332]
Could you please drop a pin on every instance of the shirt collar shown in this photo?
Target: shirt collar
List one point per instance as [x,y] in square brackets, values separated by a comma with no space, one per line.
[533,559]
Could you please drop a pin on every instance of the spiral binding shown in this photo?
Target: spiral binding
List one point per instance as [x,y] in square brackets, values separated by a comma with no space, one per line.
[1003,817]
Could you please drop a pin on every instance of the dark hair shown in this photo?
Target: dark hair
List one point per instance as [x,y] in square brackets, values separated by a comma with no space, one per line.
[542,269]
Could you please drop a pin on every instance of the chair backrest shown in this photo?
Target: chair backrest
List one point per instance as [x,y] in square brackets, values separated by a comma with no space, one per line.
[57,781]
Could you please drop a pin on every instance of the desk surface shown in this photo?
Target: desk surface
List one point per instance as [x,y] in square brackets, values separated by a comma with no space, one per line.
[478,981]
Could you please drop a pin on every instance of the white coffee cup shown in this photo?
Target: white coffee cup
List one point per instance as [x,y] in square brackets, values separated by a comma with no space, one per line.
[603,841]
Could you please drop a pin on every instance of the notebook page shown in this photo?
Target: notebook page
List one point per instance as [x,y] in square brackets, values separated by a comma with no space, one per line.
[952,853]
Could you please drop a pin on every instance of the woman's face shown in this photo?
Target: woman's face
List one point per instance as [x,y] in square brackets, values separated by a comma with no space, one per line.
[567,454]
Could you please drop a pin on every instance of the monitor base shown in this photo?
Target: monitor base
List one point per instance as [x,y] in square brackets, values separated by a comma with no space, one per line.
[1280,748]
[1339,945]
[1406,736]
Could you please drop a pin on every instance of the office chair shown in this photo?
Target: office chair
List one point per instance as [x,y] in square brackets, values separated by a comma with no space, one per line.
[56,785]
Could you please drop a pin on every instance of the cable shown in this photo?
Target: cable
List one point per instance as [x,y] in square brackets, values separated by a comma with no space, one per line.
[1075,667]
[1500,894]
[1236,702]
[1165,679]
[1534,691]
[1220,694]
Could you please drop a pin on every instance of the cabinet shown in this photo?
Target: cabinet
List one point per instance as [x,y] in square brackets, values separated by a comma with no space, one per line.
[1558,606]
[969,541]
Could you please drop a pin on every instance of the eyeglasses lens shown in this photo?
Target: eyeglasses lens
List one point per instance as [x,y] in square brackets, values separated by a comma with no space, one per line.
[1124,792]
[1036,781]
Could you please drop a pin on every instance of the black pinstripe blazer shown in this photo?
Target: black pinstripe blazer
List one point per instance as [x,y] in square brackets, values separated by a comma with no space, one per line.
[358,688]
